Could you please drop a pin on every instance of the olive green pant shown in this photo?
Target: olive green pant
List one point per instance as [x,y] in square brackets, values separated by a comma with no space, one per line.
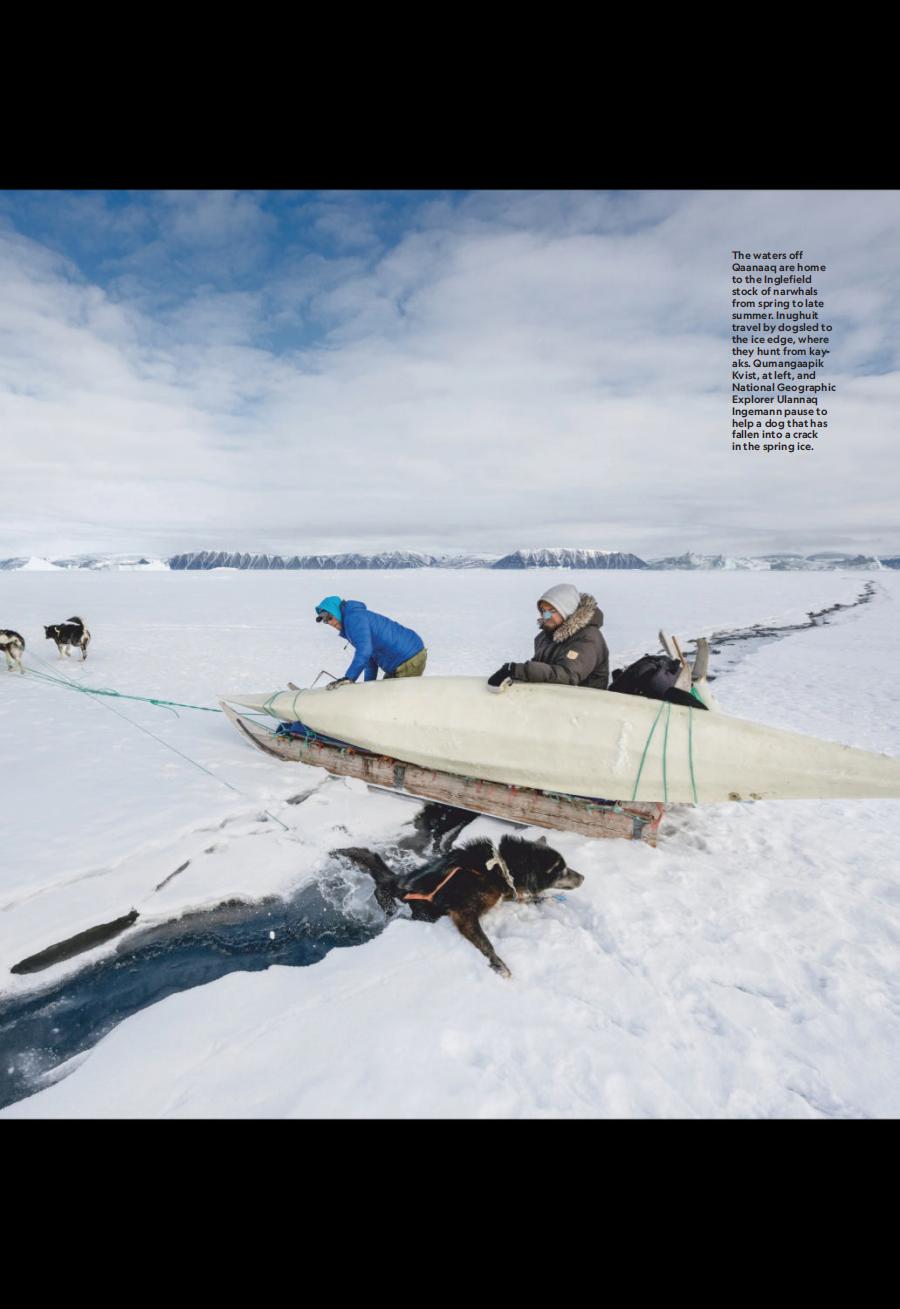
[414,667]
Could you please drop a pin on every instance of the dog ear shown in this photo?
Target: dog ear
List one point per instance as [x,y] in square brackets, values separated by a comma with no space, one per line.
[542,840]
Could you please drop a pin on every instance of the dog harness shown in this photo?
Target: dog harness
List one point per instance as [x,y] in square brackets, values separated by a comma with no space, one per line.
[417,895]
[499,862]
[496,862]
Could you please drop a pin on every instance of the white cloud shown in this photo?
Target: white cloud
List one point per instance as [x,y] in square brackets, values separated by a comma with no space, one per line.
[515,370]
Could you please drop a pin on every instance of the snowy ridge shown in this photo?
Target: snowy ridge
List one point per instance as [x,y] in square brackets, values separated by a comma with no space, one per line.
[830,559]
[559,557]
[103,562]
[817,562]
[97,563]
[691,560]
[466,561]
[205,559]
[32,565]
[563,557]
[548,558]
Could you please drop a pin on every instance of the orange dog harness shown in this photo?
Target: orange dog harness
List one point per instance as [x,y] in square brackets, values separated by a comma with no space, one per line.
[452,872]
[497,862]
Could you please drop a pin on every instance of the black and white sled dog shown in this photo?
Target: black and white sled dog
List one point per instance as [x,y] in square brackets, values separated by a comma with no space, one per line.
[12,646]
[71,632]
[466,882]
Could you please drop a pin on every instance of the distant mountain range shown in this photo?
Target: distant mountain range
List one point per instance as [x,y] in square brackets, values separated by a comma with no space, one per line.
[555,558]
[774,563]
[96,562]
[565,558]
[558,557]
[386,559]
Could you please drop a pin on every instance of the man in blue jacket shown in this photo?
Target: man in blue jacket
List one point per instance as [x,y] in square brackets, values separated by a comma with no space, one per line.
[379,641]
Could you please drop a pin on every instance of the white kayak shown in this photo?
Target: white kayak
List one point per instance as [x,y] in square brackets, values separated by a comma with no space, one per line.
[582,742]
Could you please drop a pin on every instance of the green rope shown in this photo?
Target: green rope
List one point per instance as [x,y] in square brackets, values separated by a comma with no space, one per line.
[120,695]
[665,777]
[691,752]
[189,760]
[64,681]
[667,705]
[637,780]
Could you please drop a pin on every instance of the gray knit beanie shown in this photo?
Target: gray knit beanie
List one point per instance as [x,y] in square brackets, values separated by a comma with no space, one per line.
[565,598]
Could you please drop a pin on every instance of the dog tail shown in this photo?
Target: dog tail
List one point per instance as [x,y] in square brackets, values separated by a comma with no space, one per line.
[76,619]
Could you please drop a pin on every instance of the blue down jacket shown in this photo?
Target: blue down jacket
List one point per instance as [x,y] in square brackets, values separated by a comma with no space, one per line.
[379,641]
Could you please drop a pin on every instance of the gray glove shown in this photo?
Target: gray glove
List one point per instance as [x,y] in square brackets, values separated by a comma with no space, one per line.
[340,681]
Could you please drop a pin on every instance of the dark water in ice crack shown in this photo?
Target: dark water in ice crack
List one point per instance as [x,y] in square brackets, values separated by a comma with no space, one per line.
[42,1029]
[728,649]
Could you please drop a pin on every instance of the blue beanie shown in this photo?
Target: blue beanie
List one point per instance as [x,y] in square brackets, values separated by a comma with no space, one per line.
[330,605]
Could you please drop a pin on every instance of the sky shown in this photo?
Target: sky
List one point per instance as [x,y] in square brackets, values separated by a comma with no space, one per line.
[443,371]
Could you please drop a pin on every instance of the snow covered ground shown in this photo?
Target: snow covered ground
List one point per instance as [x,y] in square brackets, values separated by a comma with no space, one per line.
[747,967]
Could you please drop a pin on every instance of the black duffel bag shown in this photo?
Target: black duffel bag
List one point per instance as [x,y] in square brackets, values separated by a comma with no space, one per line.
[653,676]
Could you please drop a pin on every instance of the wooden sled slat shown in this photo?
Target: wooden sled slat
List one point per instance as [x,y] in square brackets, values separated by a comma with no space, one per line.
[625,820]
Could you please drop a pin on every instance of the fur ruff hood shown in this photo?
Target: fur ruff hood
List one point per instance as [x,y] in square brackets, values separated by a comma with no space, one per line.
[588,612]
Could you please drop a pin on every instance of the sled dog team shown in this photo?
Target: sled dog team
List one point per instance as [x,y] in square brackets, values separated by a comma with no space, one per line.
[73,632]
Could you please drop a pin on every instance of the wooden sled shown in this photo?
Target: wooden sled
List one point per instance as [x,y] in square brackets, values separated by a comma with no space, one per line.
[627,820]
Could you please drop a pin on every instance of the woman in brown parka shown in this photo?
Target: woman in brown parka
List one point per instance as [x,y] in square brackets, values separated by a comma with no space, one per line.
[569,650]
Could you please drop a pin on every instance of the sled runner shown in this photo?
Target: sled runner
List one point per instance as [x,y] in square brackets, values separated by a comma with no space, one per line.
[589,817]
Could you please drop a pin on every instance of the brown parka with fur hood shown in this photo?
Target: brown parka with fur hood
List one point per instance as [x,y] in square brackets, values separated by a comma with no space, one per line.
[576,654]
